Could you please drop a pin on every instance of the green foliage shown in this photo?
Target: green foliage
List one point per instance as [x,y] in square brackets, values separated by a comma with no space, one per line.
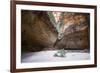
[60,53]
[52,17]
[58,24]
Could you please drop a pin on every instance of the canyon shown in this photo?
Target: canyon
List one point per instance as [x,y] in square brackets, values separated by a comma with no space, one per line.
[40,30]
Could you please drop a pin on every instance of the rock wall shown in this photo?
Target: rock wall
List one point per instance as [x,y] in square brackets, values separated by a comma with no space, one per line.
[75,31]
[75,40]
[38,32]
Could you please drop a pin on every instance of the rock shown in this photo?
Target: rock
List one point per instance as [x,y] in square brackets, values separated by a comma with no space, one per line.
[39,33]
[76,34]
[37,30]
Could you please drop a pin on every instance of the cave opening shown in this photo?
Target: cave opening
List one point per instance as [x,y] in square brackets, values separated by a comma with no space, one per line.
[54,30]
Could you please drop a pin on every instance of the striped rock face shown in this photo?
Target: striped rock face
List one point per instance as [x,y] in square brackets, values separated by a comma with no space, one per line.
[75,20]
[41,29]
[75,31]
[66,19]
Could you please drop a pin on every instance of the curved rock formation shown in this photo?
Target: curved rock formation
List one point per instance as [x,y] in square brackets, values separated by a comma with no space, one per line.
[75,32]
[37,31]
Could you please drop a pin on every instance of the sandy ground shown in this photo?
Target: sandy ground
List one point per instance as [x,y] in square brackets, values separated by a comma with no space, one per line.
[48,56]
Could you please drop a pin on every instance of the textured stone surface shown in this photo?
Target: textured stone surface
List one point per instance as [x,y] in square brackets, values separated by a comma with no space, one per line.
[39,33]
